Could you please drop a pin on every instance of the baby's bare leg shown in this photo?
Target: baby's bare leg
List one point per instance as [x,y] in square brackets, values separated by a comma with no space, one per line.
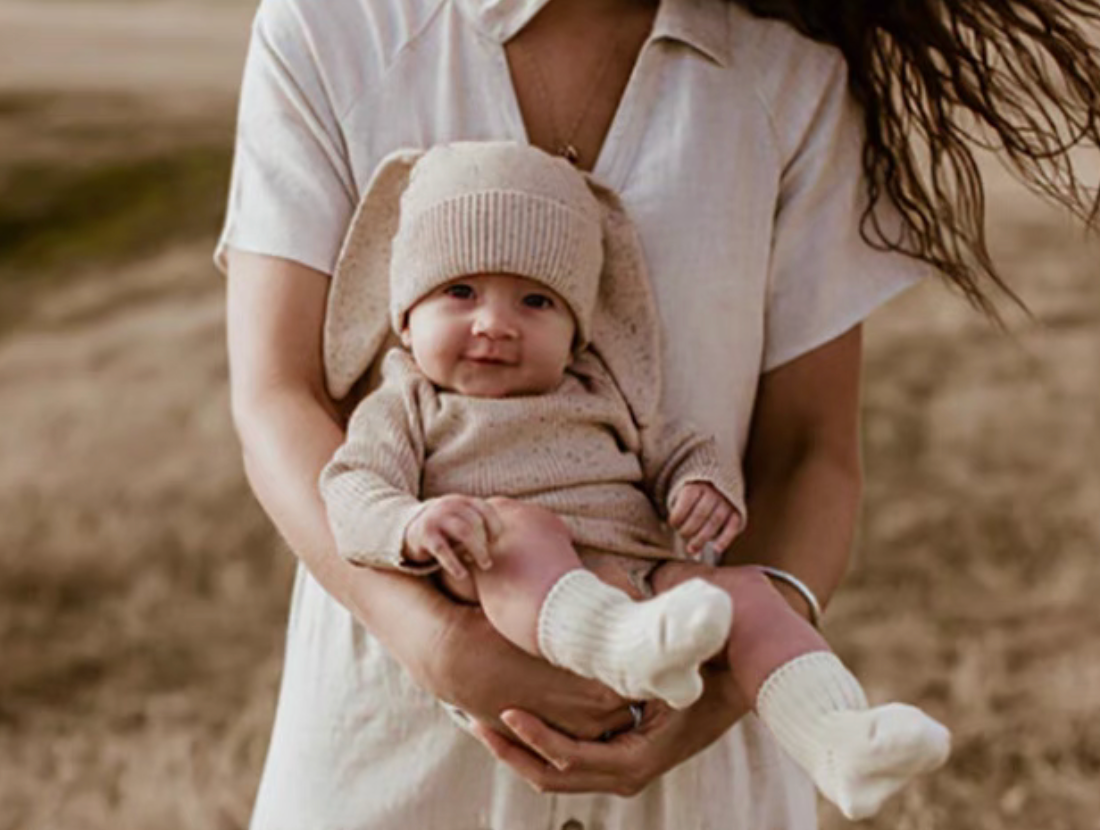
[539,596]
[534,551]
[815,707]
[766,631]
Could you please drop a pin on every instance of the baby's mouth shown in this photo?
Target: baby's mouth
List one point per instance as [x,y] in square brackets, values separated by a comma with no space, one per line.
[490,359]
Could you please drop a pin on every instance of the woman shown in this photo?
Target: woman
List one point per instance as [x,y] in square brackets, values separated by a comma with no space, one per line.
[735,143]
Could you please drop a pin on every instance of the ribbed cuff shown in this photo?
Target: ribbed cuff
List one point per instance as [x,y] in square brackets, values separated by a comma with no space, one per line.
[794,699]
[499,231]
[570,632]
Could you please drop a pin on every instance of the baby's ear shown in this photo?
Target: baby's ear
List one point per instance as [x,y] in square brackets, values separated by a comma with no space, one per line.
[626,329]
[357,317]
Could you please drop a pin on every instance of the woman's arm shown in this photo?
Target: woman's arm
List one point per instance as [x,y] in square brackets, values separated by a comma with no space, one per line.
[803,479]
[802,469]
[288,429]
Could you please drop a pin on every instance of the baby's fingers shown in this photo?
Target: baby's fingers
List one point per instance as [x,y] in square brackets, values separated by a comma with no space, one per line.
[494,525]
[712,527]
[700,514]
[466,529]
[734,524]
[683,504]
[436,544]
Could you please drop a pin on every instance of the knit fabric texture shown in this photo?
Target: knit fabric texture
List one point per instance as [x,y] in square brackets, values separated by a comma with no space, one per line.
[575,451]
[858,757]
[429,216]
[475,208]
[650,649]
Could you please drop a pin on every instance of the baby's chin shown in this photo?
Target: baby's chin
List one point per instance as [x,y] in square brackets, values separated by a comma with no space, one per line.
[503,387]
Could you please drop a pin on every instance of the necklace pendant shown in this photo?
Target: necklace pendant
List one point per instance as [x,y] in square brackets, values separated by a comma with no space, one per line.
[569,153]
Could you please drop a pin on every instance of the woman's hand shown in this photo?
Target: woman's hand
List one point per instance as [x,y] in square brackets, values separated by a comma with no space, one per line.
[552,761]
[477,670]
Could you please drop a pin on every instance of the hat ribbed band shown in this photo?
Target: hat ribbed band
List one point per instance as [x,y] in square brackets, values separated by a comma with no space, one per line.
[498,231]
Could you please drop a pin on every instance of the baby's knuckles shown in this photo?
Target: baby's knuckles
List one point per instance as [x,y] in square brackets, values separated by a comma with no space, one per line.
[445,507]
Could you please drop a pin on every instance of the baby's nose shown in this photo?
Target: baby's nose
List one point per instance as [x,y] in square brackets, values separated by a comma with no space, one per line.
[495,322]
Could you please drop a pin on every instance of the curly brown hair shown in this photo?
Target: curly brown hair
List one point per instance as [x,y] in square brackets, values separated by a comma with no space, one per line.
[937,78]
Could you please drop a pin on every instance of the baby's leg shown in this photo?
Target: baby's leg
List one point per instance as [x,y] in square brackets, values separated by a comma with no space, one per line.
[858,757]
[539,596]
[530,556]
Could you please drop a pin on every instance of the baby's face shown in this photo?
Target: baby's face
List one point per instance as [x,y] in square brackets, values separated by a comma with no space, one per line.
[491,336]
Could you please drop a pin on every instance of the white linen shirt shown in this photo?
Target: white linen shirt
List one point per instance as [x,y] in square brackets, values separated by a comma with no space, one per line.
[736,151]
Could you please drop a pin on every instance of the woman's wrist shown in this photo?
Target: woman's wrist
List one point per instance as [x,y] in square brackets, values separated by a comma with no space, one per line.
[798,594]
[408,616]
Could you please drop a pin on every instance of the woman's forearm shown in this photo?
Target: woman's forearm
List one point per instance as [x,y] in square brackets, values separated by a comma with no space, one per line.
[803,520]
[289,429]
[286,439]
[803,471]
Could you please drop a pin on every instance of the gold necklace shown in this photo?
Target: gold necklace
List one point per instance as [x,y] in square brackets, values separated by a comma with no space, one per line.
[564,144]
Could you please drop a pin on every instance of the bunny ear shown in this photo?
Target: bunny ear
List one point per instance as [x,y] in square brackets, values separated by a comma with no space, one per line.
[625,326]
[357,320]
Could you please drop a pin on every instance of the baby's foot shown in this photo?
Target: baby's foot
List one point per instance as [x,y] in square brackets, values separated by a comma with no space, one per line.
[873,753]
[857,757]
[640,649]
[676,632]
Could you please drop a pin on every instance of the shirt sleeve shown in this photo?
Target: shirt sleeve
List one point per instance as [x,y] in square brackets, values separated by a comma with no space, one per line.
[292,191]
[824,278]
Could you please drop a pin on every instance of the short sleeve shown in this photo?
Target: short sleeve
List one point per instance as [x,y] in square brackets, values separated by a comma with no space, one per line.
[292,192]
[824,278]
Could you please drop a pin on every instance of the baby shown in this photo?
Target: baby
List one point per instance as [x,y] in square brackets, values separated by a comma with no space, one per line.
[516,447]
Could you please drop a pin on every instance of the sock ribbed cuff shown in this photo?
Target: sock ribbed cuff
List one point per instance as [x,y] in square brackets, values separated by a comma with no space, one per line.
[568,626]
[857,757]
[794,699]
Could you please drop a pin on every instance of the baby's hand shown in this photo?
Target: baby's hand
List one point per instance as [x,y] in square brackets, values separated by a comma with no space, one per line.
[451,529]
[701,514]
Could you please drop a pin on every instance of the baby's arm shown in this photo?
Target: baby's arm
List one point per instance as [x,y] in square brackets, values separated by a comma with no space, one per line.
[702,515]
[371,485]
[704,497]
[371,491]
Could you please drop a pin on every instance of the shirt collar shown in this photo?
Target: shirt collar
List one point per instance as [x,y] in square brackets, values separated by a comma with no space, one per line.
[701,24]
[499,20]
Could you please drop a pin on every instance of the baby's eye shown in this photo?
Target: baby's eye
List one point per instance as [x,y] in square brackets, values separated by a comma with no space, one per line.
[538,301]
[460,291]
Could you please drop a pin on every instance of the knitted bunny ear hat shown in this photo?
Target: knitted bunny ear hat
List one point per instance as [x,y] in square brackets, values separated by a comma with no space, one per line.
[428,217]
[485,208]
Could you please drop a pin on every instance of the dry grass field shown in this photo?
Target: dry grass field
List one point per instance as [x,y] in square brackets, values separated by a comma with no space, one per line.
[142,593]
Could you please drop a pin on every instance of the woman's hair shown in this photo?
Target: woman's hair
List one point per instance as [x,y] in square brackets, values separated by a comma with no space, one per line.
[936,78]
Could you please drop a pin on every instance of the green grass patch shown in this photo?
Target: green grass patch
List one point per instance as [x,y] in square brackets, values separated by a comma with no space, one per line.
[55,217]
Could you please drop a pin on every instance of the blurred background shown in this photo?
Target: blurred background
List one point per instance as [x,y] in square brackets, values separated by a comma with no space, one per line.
[143,594]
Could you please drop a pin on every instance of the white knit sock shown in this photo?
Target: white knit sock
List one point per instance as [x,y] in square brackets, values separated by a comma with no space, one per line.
[857,757]
[646,649]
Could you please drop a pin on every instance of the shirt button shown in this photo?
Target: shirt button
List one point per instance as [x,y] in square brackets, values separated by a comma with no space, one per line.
[572,824]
